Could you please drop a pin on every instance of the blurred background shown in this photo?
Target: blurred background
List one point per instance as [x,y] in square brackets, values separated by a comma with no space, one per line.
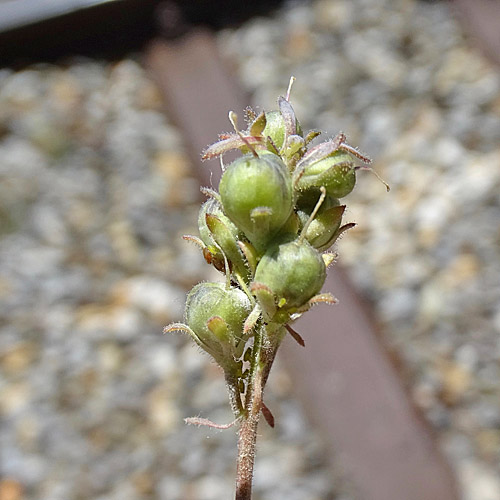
[97,187]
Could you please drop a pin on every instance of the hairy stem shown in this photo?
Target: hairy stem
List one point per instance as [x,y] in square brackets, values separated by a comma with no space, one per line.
[246,441]
[263,357]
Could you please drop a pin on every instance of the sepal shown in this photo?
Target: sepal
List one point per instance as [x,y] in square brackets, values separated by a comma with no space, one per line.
[258,125]
[227,241]
[250,254]
[219,328]
[206,346]
[324,229]
[252,319]
[265,297]
[230,142]
[329,258]
[322,298]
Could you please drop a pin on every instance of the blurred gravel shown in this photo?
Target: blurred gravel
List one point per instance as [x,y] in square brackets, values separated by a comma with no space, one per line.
[404,83]
[95,193]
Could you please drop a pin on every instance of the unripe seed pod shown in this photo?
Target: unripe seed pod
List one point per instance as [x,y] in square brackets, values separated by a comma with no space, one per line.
[257,195]
[293,271]
[336,173]
[216,315]
[275,128]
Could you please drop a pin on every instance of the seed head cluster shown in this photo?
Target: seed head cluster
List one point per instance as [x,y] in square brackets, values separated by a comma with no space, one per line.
[268,230]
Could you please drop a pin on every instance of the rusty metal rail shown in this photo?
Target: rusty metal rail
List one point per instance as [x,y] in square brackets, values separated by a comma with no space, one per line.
[347,385]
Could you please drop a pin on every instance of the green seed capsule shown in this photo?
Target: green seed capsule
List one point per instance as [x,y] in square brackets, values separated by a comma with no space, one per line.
[257,195]
[216,315]
[275,128]
[336,173]
[293,271]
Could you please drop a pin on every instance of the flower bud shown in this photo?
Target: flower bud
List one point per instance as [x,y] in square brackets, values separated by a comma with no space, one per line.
[216,316]
[257,195]
[293,271]
[336,173]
